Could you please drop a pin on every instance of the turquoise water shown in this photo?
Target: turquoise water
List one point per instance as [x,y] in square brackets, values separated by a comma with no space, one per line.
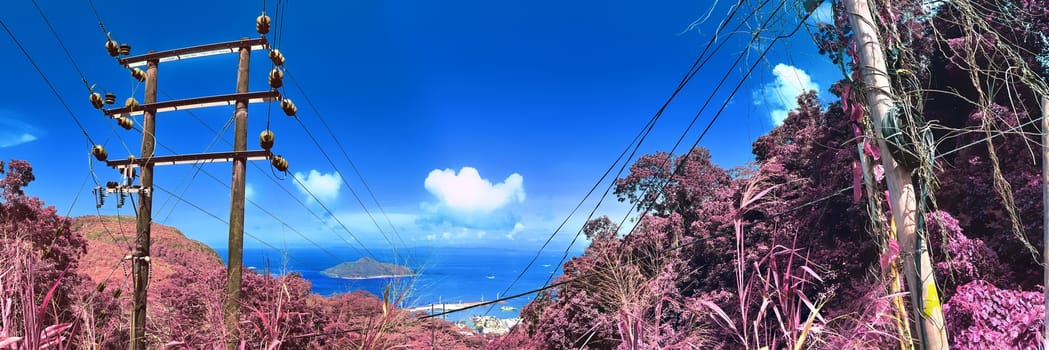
[445,274]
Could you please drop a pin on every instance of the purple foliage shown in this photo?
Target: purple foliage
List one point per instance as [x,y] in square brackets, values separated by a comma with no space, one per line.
[982,316]
[47,251]
[964,259]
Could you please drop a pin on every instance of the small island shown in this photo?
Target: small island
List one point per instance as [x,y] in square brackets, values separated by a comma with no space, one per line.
[365,268]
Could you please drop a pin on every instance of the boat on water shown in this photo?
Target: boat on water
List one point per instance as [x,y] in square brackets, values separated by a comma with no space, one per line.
[490,276]
[546,265]
[508,308]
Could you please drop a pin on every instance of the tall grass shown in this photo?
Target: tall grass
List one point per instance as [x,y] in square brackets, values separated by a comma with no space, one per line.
[18,304]
[773,309]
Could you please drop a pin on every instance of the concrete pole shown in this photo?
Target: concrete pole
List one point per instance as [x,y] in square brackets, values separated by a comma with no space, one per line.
[1045,215]
[918,270]
[236,211]
[140,256]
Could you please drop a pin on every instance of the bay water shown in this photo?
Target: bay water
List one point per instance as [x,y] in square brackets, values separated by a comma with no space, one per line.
[443,274]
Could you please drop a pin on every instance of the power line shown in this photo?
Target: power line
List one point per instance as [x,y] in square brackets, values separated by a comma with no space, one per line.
[97,16]
[352,165]
[313,196]
[699,63]
[199,169]
[48,82]
[344,183]
[652,256]
[705,130]
[694,119]
[706,103]
[55,92]
[720,110]
[215,140]
[281,10]
[279,220]
[334,217]
[76,197]
[224,221]
[774,215]
[62,44]
[754,37]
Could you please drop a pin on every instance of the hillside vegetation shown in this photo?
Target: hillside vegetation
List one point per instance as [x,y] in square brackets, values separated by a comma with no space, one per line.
[796,250]
[65,282]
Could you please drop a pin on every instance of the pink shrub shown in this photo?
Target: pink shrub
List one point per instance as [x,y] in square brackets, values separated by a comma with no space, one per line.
[982,316]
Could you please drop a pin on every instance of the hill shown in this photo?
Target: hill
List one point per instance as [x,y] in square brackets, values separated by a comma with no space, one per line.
[111,238]
[187,287]
[366,268]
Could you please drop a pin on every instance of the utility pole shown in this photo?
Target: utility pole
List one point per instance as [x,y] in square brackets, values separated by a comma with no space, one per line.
[140,256]
[240,155]
[231,309]
[918,270]
[1045,216]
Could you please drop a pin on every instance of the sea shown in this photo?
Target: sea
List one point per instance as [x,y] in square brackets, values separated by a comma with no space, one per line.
[443,274]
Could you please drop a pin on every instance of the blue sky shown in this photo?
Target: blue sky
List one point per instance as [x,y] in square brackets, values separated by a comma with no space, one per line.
[474,123]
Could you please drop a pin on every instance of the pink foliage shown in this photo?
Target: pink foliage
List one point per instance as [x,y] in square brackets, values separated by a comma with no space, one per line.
[968,193]
[982,316]
[40,254]
[964,259]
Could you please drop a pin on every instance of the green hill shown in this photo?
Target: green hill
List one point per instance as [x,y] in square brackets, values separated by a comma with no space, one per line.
[366,268]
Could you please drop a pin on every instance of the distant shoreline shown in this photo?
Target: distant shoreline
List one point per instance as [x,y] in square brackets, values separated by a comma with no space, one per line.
[365,278]
[445,306]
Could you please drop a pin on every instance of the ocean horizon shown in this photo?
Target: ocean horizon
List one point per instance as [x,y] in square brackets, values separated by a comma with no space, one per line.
[443,274]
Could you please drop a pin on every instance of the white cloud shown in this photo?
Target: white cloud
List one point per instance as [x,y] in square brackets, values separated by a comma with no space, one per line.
[9,139]
[465,199]
[518,227]
[14,132]
[468,192]
[323,186]
[781,95]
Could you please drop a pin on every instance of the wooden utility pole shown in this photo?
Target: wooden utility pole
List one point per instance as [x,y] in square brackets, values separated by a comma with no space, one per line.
[918,270]
[240,155]
[231,308]
[140,256]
